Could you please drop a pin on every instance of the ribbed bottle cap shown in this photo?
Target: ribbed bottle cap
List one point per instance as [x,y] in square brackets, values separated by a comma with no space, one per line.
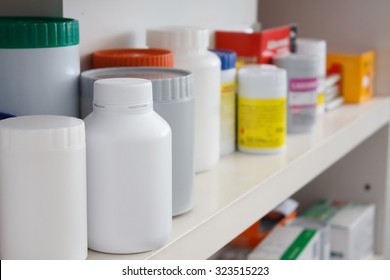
[132,57]
[174,38]
[41,133]
[228,58]
[256,79]
[38,32]
[168,84]
[122,92]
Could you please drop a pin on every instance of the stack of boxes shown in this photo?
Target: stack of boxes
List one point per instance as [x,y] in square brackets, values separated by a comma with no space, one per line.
[336,230]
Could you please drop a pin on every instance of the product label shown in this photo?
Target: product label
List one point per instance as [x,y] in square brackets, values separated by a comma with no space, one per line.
[261,123]
[278,44]
[302,93]
[303,85]
[228,112]
[299,244]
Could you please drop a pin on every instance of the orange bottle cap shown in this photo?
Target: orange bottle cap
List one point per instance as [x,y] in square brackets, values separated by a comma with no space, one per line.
[132,57]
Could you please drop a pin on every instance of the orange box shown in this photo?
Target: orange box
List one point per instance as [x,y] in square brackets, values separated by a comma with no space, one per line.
[357,74]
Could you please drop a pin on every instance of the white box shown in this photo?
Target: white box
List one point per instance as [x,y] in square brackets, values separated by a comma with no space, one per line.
[288,243]
[324,231]
[352,227]
[352,232]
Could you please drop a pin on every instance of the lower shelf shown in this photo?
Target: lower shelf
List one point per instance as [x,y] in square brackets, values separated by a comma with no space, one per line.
[244,187]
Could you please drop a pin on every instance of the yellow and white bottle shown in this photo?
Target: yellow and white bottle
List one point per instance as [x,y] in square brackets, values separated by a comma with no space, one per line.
[262,109]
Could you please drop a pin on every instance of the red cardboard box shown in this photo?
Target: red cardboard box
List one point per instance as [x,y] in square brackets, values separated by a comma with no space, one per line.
[257,47]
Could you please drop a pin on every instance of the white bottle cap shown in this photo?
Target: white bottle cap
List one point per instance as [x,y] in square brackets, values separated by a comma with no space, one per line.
[41,133]
[174,38]
[122,92]
[314,47]
[262,81]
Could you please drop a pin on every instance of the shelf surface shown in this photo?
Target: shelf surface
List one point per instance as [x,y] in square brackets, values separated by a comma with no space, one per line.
[244,187]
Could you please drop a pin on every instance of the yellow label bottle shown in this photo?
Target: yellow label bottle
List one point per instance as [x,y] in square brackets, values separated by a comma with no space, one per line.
[228,101]
[262,123]
[262,109]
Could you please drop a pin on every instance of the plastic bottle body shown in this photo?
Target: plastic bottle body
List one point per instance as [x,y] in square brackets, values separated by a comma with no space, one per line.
[302,91]
[129,182]
[228,100]
[43,199]
[262,105]
[228,112]
[317,48]
[173,101]
[40,66]
[129,176]
[189,46]
[180,117]
[40,81]
[205,66]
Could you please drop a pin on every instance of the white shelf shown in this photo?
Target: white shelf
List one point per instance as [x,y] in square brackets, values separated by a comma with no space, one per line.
[244,187]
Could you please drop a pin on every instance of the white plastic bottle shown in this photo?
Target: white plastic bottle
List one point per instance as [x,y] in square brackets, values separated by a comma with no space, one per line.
[43,188]
[228,101]
[262,106]
[172,100]
[317,48]
[129,169]
[189,46]
[302,76]
[39,66]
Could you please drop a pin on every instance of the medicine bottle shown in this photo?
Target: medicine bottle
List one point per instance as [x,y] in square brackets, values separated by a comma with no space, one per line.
[132,57]
[129,169]
[262,124]
[172,100]
[189,46]
[40,66]
[317,48]
[43,191]
[302,75]
[228,101]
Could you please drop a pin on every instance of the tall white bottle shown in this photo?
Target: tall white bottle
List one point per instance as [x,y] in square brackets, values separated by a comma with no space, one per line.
[129,169]
[43,188]
[189,46]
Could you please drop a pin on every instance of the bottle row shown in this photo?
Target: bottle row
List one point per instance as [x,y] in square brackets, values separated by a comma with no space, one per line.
[149,128]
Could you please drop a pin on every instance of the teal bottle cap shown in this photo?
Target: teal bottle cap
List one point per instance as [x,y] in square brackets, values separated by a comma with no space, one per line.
[38,32]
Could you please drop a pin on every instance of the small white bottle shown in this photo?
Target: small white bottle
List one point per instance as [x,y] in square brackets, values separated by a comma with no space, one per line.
[189,46]
[43,188]
[262,106]
[129,169]
[173,101]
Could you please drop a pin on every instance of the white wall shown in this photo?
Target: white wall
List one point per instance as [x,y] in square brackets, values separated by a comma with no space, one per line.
[122,23]
[347,26]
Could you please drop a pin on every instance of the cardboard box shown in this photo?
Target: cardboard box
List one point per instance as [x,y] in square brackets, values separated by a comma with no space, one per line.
[256,47]
[352,232]
[352,227]
[288,243]
[324,231]
[357,74]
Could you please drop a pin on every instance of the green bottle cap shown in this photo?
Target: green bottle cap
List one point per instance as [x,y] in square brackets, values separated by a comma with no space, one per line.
[38,32]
